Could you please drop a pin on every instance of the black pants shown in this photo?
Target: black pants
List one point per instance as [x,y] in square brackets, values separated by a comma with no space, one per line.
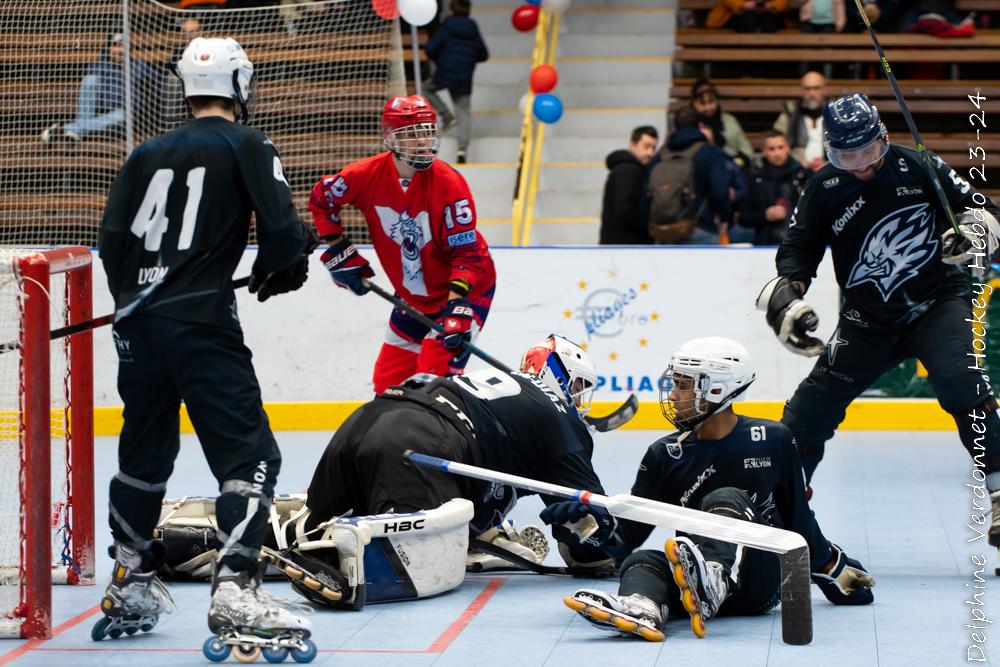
[363,470]
[160,363]
[858,354]
[754,575]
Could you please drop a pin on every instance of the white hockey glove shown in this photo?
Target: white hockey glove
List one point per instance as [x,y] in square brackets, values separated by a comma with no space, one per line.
[977,242]
[791,318]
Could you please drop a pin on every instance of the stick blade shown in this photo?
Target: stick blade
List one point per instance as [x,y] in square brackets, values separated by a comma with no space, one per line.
[616,419]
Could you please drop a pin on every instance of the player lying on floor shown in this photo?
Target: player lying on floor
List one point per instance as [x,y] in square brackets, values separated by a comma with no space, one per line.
[726,464]
[528,423]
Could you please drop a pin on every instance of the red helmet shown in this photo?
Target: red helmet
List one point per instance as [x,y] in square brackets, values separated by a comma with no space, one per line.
[405,111]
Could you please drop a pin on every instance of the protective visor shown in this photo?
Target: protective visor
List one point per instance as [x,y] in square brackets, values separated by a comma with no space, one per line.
[856,159]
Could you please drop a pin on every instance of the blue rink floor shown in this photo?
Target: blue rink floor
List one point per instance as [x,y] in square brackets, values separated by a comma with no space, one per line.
[896,501]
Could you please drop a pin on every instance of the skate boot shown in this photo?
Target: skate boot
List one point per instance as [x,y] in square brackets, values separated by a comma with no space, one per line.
[133,600]
[249,621]
[704,584]
[312,578]
[629,615]
[527,544]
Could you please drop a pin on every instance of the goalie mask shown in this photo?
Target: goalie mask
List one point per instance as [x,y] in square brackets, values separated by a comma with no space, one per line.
[704,376]
[219,68]
[565,368]
[409,130]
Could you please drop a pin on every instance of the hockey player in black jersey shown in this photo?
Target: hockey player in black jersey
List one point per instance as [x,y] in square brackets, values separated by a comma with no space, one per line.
[175,227]
[527,423]
[905,286]
[726,464]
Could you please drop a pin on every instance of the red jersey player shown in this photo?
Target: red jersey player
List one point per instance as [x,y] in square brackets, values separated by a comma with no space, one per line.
[422,222]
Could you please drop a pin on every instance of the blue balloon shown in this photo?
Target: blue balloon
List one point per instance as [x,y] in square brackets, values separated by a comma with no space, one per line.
[547,108]
[536,3]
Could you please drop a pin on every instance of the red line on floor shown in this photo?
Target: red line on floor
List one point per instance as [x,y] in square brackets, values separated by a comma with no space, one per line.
[452,631]
[31,644]
[440,644]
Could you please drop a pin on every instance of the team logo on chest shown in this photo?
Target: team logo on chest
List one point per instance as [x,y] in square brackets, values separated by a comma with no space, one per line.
[411,233]
[896,247]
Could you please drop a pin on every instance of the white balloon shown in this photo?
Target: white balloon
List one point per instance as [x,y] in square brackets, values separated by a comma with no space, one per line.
[551,6]
[522,103]
[418,12]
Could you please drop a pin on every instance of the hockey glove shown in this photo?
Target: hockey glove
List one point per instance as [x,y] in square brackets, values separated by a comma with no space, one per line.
[456,320]
[977,242]
[791,318]
[847,582]
[288,279]
[574,522]
[347,267]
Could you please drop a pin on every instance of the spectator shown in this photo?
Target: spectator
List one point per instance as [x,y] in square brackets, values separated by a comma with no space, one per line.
[727,132]
[748,15]
[101,103]
[822,16]
[697,165]
[883,14]
[938,18]
[776,182]
[455,48]
[621,223]
[802,122]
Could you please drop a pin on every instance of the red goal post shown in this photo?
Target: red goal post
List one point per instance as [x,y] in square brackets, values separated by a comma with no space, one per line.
[46,434]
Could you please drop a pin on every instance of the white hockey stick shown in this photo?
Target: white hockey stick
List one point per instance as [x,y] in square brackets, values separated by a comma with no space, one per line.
[792,550]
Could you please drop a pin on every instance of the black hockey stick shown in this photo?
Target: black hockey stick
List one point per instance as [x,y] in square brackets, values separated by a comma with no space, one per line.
[86,325]
[519,563]
[912,126]
[610,422]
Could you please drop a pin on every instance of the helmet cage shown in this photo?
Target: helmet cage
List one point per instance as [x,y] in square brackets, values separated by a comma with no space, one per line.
[416,145]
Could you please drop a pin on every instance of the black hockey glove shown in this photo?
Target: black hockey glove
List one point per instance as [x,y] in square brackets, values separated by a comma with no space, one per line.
[791,318]
[573,522]
[848,582]
[288,279]
[975,244]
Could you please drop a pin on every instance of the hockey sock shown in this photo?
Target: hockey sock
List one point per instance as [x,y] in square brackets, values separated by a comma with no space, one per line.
[979,430]
[646,573]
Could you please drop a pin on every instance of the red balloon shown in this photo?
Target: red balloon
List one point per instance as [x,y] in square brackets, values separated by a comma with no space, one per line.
[525,18]
[544,78]
[387,9]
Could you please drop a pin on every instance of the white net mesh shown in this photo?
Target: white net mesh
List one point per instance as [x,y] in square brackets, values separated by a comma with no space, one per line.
[12,378]
[325,68]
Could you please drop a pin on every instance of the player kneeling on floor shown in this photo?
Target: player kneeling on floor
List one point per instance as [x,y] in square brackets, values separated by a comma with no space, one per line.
[725,464]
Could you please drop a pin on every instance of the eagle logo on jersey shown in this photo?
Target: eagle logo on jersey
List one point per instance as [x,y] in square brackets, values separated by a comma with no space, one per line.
[411,234]
[896,247]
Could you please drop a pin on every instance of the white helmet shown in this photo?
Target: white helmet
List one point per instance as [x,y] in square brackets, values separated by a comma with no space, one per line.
[720,369]
[565,368]
[214,67]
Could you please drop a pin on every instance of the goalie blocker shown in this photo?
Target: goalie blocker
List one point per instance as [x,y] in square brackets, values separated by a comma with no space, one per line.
[343,563]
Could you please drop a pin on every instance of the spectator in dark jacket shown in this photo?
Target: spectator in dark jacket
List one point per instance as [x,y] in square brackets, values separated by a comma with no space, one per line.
[621,223]
[455,48]
[712,178]
[776,182]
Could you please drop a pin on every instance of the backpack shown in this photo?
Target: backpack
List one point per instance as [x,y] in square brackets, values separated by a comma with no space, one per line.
[673,213]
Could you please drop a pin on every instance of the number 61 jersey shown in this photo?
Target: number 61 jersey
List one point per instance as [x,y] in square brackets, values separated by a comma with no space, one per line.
[178,217]
[425,236]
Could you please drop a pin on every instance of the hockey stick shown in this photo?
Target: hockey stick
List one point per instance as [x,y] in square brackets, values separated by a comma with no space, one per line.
[912,126]
[792,550]
[86,325]
[610,422]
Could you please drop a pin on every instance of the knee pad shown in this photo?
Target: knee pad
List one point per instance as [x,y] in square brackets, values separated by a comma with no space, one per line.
[388,557]
[729,501]
[646,559]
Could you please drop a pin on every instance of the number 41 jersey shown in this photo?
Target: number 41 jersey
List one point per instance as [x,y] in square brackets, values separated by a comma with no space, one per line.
[178,218]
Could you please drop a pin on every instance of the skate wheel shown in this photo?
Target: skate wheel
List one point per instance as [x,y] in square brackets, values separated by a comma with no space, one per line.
[246,653]
[670,549]
[698,626]
[146,627]
[215,650]
[115,633]
[131,630]
[625,625]
[330,594]
[293,572]
[100,628]
[574,604]
[304,654]
[679,577]
[651,635]
[311,583]
[687,599]
[274,655]
[599,614]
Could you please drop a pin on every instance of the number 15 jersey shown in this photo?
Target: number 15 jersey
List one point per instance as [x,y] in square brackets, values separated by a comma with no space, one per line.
[425,236]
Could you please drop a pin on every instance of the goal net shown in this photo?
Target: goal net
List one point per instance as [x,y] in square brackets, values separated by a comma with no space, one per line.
[46,434]
[324,70]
